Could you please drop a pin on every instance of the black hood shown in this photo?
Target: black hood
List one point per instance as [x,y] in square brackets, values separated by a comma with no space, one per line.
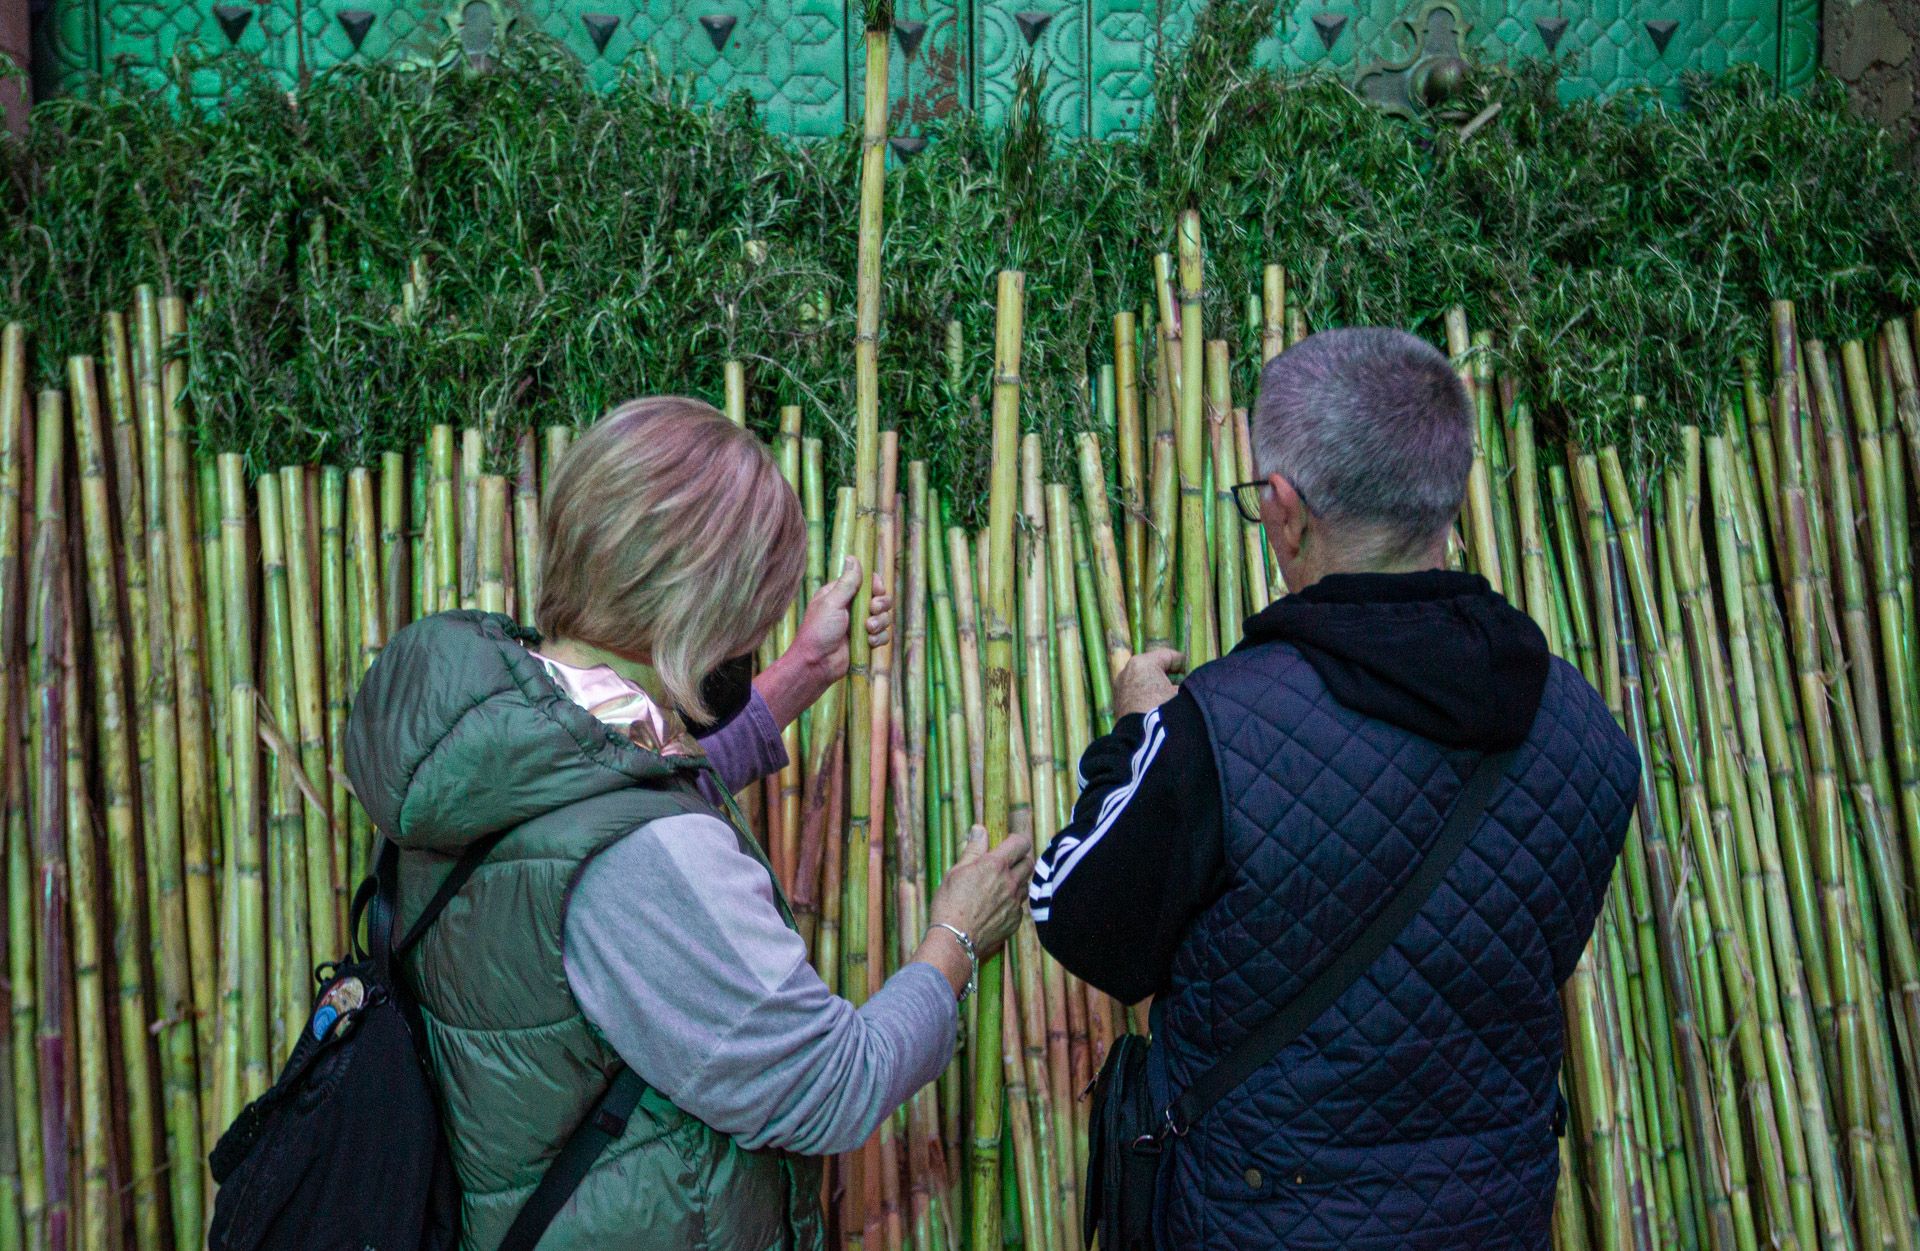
[1437,653]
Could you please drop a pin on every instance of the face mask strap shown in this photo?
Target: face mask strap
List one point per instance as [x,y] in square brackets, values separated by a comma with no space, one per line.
[726,691]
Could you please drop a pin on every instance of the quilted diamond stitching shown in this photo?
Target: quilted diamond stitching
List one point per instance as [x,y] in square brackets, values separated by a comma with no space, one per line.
[1416,1108]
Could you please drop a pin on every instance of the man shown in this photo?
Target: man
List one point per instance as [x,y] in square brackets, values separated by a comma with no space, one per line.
[1234,836]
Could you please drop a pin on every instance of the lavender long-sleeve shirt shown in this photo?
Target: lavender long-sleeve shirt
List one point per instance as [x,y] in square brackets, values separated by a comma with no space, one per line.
[745,749]
[676,951]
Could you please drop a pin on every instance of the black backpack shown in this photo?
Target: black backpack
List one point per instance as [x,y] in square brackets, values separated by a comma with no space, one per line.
[347,1151]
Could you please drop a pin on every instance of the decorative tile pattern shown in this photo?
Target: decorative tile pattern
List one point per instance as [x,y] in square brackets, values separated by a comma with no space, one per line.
[789,55]
[802,59]
[65,47]
[1052,36]
[1608,44]
[1799,41]
[937,79]
[1125,37]
[1367,33]
[933,81]
[142,37]
[393,31]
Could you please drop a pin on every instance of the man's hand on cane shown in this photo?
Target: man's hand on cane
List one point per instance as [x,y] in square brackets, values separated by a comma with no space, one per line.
[1144,685]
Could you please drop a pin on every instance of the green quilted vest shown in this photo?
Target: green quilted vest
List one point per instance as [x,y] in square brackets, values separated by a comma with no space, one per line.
[457,733]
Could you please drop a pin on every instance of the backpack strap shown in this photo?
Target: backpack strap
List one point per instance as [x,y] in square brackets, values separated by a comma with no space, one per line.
[605,1123]
[450,886]
[378,898]
[1269,1039]
[379,894]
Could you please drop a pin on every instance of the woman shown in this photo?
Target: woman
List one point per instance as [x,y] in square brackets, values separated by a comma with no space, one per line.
[623,918]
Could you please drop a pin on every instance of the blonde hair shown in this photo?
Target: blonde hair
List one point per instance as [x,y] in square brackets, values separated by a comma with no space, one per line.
[669,533]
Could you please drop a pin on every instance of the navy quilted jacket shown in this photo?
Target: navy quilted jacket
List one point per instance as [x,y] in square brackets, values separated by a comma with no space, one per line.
[1419,1111]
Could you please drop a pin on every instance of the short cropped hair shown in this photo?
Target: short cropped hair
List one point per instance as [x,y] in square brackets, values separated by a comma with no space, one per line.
[1370,425]
[668,532]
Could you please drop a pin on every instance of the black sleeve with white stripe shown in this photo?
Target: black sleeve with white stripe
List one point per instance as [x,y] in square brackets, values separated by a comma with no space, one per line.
[1115,891]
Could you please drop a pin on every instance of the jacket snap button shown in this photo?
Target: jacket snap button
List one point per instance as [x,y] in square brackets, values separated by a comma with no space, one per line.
[1254,1180]
[1300,1179]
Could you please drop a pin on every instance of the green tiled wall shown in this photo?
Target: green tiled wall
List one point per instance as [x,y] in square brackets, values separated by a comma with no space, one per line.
[801,59]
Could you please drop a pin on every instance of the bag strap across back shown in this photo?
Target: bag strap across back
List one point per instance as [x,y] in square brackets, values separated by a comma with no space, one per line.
[1270,1038]
[603,1125]
[378,897]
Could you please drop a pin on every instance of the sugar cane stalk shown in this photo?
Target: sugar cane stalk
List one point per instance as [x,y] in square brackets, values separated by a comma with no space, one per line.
[1829,838]
[114,726]
[997,623]
[290,946]
[99,1210]
[1115,631]
[16,672]
[1128,462]
[48,585]
[244,938]
[1201,638]
[1229,578]
[336,692]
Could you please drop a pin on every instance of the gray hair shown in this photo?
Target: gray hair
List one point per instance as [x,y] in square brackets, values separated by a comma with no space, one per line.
[1371,426]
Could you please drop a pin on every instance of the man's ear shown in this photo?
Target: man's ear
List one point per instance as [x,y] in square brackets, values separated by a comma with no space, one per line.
[1285,516]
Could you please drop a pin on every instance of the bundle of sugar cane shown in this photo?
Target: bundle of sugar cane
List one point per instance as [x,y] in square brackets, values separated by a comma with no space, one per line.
[1740,1061]
[183,633]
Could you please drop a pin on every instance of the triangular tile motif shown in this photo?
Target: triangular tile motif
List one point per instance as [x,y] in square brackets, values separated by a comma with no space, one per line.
[233,19]
[719,27]
[1551,29]
[1329,25]
[600,28]
[909,34]
[1661,29]
[356,22]
[1033,25]
[908,145]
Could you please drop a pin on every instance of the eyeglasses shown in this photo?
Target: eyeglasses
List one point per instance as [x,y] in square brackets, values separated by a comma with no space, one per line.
[1246,498]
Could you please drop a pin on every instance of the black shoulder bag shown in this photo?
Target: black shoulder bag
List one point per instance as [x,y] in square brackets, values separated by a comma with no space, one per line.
[1129,1131]
[346,1150]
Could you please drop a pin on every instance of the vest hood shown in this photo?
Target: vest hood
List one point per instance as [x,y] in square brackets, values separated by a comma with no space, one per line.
[457,732]
[1438,653]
